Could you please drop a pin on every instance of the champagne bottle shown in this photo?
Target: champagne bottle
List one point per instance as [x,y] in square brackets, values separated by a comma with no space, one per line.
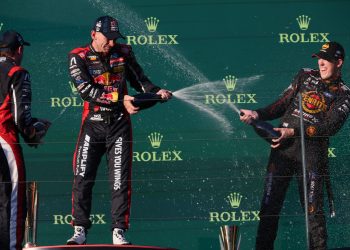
[264,130]
[146,100]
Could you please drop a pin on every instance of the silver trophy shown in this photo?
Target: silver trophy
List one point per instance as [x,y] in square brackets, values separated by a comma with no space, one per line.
[32,212]
[230,238]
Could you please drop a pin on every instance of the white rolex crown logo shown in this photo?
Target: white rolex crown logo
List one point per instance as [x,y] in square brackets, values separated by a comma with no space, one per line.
[155,139]
[230,82]
[234,199]
[303,21]
[1,24]
[152,23]
[73,88]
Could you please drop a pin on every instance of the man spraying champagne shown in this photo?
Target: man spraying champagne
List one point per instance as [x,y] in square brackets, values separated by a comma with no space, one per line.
[325,108]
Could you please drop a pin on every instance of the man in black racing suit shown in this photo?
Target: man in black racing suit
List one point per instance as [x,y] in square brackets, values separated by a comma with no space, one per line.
[15,119]
[99,71]
[326,106]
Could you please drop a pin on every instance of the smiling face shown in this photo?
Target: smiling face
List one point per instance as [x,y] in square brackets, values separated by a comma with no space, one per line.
[329,70]
[101,43]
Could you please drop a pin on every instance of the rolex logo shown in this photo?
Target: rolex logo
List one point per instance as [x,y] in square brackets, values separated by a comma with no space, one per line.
[234,199]
[241,215]
[1,24]
[152,23]
[230,82]
[229,97]
[73,88]
[152,38]
[67,101]
[157,155]
[304,36]
[155,139]
[303,21]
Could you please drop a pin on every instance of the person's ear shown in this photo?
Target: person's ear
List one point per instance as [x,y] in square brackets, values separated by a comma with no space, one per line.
[339,63]
[19,50]
[93,34]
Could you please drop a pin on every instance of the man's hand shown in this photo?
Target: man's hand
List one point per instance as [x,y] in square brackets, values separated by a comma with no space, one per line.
[128,105]
[285,133]
[165,94]
[41,127]
[247,116]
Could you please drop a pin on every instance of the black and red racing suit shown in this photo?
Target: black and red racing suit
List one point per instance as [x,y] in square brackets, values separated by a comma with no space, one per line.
[15,118]
[106,128]
[325,109]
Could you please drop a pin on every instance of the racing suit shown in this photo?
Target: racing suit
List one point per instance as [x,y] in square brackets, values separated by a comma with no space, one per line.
[325,109]
[106,127]
[15,118]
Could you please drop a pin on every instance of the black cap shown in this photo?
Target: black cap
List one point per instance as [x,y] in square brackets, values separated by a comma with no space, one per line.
[11,39]
[108,26]
[331,51]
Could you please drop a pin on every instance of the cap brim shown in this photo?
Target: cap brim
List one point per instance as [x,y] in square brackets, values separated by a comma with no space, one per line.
[113,35]
[323,55]
[14,45]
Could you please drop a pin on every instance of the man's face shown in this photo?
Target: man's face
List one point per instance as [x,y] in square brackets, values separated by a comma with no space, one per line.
[329,70]
[101,43]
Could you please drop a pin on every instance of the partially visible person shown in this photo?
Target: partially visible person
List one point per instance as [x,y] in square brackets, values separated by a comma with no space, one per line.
[325,107]
[100,71]
[15,119]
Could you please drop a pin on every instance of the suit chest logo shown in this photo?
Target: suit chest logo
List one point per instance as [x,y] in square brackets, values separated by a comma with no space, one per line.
[314,102]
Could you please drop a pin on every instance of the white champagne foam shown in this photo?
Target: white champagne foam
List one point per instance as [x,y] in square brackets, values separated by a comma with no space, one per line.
[193,95]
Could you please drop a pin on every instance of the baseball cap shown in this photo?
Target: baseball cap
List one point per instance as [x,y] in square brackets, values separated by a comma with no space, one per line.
[108,26]
[11,39]
[331,51]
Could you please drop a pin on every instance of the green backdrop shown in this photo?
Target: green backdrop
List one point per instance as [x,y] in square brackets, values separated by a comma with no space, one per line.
[208,168]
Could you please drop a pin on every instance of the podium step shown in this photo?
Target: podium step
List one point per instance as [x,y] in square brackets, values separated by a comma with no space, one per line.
[98,247]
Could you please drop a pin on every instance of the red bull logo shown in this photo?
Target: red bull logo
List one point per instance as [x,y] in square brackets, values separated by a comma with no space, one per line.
[107,79]
[113,96]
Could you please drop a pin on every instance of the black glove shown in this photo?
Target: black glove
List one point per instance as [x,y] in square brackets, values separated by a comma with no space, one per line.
[41,127]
